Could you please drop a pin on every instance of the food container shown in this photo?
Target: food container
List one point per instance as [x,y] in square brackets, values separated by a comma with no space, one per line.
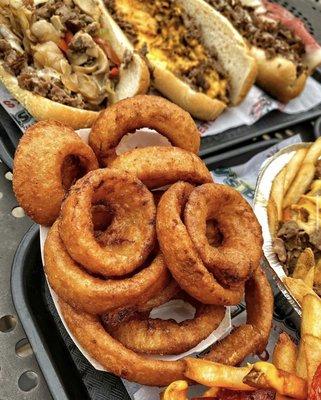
[269,170]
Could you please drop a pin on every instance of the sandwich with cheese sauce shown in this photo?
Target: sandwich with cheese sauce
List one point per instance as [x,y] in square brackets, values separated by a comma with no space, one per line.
[66,60]
[196,57]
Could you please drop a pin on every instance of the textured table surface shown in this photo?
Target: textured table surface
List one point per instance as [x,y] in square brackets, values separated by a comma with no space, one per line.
[20,377]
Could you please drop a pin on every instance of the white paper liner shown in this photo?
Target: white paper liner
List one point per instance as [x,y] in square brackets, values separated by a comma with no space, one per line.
[165,311]
[269,170]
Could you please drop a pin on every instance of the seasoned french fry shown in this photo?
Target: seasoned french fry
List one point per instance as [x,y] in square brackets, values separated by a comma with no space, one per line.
[315,187]
[273,220]
[305,175]
[264,375]
[298,288]
[317,273]
[312,351]
[285,353]
[212,374]
[293,167]
[301,365]
[311,316]
[309,277]
[175,391]
[304,263]
[277,192]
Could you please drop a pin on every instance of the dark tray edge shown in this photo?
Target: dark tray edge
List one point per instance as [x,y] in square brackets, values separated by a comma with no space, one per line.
[27,319]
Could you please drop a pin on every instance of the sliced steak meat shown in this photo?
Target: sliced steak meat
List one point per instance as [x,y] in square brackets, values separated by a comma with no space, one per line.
[59,95]
[272,36]
[13,61]
[30,81]
[279,249]
[49,87]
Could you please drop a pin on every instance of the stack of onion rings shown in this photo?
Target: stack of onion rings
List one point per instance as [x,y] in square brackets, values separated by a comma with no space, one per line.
[116,250]
[142,112]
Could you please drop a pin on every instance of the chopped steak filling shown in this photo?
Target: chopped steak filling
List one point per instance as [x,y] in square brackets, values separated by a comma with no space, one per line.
[49,87]
[171,37]
[59,50]
[291,241]
[271,36]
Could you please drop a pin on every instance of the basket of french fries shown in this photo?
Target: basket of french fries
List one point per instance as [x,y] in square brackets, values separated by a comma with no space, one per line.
[293,373]
[287,203]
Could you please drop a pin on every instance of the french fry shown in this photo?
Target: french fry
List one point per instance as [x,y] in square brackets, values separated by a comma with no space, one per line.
[293,167]
[285,353]
[298,288]
[212,374]
[301,365]
[273,220]
[311,316]
[309,277]
[264,375]
[305,175]
[315,187]
[317,273]
[312,351]
[304,263]
[175,391]
[277,192]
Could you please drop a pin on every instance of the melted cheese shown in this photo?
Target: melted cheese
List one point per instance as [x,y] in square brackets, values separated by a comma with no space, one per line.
[165,47]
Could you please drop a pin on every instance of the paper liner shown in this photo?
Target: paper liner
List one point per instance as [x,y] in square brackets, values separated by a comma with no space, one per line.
[269,170]
[223,329]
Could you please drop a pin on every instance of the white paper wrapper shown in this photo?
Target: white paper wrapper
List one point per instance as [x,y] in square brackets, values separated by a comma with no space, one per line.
[269,170]
[175,309]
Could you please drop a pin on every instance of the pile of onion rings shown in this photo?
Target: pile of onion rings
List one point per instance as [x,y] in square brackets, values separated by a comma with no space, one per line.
[150,228]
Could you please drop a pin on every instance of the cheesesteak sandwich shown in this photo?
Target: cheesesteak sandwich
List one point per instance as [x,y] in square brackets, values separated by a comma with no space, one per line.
[66,60]
[197,59]
[285,51]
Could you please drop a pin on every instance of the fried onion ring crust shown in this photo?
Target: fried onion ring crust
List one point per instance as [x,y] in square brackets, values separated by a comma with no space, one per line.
[115,357]
[180,254]
[94,295]
[49,157]
[125,363]
[142,112]
[160,166]
[129,238]
[157,336]
[241,249]
[252,337]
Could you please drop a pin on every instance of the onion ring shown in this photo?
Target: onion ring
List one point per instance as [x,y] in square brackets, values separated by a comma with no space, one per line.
[180,254]
[116,358]
[160,166]
[142,112]
[252,337]
[49,158]
[241,249]
[92,294]
[130,237]
[156,336]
